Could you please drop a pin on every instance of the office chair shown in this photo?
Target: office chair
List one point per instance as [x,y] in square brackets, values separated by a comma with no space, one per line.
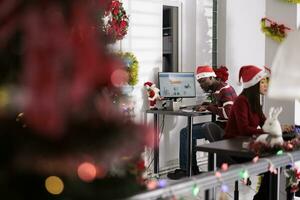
[213,133]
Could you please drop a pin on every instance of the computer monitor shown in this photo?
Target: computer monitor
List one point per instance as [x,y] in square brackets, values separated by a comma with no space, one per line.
[177,84]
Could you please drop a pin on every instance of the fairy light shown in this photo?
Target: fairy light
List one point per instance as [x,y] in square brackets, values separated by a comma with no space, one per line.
[280,152]
[218,174]
[196,190]
[244,174]
[152,184]
[162,183]
[4,97]
[224,167]
[224,188]
[87,172]
[54,185]
[290,146]
[255,159]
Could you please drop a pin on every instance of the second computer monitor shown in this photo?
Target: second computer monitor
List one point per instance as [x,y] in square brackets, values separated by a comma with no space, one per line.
[177,84]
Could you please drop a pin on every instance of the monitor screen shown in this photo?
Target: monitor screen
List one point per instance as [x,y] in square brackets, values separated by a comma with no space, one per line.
[177,84]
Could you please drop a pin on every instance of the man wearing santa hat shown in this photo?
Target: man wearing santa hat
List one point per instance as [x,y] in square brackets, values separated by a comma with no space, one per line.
[223,96]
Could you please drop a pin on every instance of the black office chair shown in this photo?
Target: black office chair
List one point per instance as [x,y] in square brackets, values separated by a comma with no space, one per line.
[213,132]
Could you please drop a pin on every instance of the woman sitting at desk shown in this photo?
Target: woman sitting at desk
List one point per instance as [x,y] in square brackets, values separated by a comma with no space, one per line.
[246,113]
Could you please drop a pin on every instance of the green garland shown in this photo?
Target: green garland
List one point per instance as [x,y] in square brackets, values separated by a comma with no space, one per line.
[132,65]
[292,1]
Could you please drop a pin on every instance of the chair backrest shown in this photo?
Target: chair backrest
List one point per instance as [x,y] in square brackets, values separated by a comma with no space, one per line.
[213,132]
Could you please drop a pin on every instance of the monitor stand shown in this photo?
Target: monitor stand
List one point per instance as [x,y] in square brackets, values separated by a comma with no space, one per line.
[173,105]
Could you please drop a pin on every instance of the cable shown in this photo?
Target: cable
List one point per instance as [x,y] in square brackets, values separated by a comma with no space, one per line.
[159,137]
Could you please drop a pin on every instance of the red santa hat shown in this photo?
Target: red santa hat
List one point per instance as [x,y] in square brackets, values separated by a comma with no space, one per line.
[205,71]
[250,75]
[149,84]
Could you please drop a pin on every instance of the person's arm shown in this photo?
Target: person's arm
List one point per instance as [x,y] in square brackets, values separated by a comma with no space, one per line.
[223,111]
[226,100]
[241,112]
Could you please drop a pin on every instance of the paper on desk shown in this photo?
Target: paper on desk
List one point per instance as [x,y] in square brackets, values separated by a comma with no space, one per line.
[187,110]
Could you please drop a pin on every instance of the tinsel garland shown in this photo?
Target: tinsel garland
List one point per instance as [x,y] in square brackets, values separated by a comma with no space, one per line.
[292,1]
[260,148]
[292,174]
[132,66]
[274,30]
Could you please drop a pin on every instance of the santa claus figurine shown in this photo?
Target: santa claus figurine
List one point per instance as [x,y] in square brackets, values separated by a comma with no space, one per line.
[153,94]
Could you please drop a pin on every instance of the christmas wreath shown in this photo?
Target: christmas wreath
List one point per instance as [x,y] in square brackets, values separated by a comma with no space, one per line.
[274,30]
[115,21]
[132,65]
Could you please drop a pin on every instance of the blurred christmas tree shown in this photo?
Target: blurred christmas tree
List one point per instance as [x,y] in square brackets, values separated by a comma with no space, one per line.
[61,135]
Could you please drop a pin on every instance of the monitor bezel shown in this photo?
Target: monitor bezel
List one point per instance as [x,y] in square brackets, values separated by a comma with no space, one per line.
[172,97]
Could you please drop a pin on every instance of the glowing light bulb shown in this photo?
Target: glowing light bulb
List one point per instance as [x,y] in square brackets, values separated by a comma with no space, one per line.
[255,159]
[244,174]
[87,171]
[280,152]
[54,185]
[224,167]
[196,190]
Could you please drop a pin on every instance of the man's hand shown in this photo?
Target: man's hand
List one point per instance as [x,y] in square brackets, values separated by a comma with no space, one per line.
[200,108]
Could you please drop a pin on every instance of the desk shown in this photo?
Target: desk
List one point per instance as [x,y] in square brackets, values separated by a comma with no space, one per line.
[189,116]
[234,147]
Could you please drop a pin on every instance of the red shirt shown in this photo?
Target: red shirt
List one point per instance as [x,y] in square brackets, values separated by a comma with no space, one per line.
[242,121]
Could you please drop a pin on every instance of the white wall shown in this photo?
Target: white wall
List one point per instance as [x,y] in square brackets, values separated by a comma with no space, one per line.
[244,41]
[284,13]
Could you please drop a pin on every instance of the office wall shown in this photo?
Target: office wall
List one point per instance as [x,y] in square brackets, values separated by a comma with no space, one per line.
[287,14]
[243,42]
